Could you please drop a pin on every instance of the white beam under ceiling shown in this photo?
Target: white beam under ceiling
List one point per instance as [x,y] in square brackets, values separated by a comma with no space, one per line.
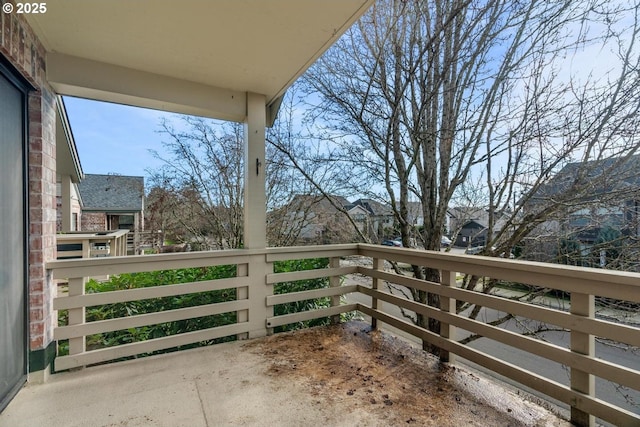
[73,76]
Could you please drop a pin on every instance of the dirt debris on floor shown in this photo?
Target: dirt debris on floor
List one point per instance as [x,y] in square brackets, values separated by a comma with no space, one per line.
[364,370]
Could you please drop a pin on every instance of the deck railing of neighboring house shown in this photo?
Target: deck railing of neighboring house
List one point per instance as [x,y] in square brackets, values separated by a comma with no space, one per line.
[84,244]
[255,301]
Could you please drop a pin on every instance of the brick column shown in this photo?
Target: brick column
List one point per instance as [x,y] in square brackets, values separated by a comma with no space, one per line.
[19,45]
[42,225]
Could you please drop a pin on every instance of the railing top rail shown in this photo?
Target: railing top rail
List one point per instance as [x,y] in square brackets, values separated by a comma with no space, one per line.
[228,253]
[75,235]
[89,267]
[129,264]
[312,248]
[471,263]
[563,276]
[152,258]
[316,251]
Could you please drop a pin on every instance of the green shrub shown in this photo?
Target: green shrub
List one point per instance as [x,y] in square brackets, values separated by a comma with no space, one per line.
[152,305]
[299,286]
[187,275]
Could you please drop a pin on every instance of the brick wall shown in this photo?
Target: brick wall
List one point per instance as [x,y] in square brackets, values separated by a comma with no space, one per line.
[19,45]
[94,221]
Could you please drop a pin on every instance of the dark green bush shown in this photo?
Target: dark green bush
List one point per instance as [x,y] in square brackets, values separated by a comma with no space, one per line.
[186,275]
[131,308]
[298,286]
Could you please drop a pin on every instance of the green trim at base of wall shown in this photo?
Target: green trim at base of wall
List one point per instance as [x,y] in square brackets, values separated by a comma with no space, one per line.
[40,359]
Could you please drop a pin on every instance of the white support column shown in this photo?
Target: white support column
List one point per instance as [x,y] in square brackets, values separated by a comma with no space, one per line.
[255,205]
[255,215]
[66,202]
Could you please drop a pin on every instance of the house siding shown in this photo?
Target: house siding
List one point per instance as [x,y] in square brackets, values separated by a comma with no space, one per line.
[26,54]
[76,209]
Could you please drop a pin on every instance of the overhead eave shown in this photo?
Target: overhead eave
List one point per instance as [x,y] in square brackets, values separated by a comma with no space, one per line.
[67,159]
[197,57]
[84,78]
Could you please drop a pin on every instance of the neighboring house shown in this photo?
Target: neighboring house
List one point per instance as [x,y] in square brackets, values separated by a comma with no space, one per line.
[360,216]
[63,208]
[316,219]
[313,219]
[600,199]
[378,217]
[469,226]
[472,233]
[113,202]
[71,240]
[68,174]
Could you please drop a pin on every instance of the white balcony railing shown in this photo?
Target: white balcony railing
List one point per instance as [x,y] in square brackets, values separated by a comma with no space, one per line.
[85,244]
[255,299]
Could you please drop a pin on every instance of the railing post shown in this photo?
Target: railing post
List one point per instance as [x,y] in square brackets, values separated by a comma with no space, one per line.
[77,315]
[447,278]
[334,282]
[136,241]
[86,248]
[378,264]
[259,290]
[241,294]
[582,305]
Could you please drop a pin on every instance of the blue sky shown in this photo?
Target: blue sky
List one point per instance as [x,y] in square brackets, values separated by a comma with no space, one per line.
[113,138]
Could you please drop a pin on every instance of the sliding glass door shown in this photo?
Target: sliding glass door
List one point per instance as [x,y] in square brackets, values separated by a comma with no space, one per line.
[13,294]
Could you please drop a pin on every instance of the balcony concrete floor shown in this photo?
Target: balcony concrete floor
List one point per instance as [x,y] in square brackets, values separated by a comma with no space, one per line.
[343,375]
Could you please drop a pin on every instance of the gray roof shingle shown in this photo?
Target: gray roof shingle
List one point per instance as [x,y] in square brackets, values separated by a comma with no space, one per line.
[374,207]
[596,177]
[115,193]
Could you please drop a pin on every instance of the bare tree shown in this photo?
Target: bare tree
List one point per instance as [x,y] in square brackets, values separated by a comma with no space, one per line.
[422,97]
[307,168]
[203,169]
[197,195]
[163,215]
